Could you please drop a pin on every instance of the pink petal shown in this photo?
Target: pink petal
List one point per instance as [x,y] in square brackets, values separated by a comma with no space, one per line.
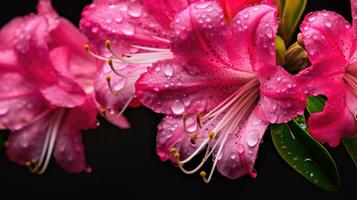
[253,37]
[241,149]
[164,11]
[69,150]
[175,87]
[231,7]
[327,37]
[124,23]
[354,21]
[26,144]
[281,97]
[122,85]
[7,33]
[335,121]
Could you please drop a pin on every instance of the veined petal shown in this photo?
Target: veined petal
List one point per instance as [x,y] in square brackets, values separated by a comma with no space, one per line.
[231,7]
[26,144]
[252,44]
[241,149]
[69,150]
[164,10]
[123,87]
[281,97]
[327,38]
[125,23]
[177,87]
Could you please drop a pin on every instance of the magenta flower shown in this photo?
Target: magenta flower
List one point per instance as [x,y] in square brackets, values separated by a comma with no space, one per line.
[46,92]
[331,45]
[139,35]
[222,88]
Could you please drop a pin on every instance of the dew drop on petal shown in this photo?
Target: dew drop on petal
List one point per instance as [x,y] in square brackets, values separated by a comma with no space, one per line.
[4,110]
[128,29]
[240,148]
[252,139]
[202,5]
[177,107]
[233,156]
[328,24]
[135,11]
[168,70]
[119,85]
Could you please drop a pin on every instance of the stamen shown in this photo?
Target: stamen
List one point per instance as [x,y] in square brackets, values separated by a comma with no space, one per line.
[111,89]
[150,48]
[110,62]
[40,166]
[198,120]
[193,138]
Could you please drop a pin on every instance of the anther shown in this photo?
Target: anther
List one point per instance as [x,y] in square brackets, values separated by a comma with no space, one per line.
[203,174]
[86,47]
[198,119]
[173,151]
[177,155]
[193,138]
[107,44]
[211,134]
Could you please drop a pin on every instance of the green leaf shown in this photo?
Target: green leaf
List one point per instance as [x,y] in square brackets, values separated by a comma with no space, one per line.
[350,144]
[290,12]
[280,50]
[316,104]
[305,155]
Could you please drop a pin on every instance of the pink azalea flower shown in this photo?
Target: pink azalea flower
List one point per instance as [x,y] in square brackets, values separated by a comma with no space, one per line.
[222,88]
[46,95]
[331,45]
[139,35]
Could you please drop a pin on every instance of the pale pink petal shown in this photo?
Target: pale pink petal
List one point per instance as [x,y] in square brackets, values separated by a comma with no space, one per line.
[27,143]
[69,151]
[123,86]
[241,149]
[8,33]
[177,87]
[327,38]
[281,97]
[121,121]
[252,44]
[44,8]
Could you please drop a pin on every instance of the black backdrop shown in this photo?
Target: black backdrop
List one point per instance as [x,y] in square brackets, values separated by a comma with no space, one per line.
[125,164]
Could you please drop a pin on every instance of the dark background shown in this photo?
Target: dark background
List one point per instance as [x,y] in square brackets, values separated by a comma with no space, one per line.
[125,164]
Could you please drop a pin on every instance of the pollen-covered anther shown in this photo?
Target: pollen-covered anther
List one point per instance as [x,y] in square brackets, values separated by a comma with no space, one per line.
[5,123]
[108,44]
[211,135]
[203,174]
[198,120]
[86,47]
[193,138]
[173,151]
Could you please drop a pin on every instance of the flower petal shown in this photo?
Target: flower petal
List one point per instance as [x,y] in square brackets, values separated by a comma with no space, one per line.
[175,87]
[241,149]
[281,97]
[164,10]
[69,151]
[125,23]
[335,121]
[354,20]
[26,144]
[327,38]
[253,37]
[123,86]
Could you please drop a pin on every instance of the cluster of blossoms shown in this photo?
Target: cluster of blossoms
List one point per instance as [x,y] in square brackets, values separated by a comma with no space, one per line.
[209,66]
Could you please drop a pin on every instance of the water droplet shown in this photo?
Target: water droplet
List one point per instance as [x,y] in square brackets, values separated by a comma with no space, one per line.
[240,148]
[135,11]
[328,24]
[295,158]
[119,85]
[233,156]
[284,147]
[98,123]
[4,110]
[177,107]
[157,68]
[311,174]
[311,19]
[168,70]
[269,33]
[128,29]
[202,5]
[95,29]
[118,19]
[252,139]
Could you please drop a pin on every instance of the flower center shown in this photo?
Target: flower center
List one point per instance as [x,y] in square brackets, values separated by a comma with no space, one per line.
[140,60]
[225,119]
[40,166]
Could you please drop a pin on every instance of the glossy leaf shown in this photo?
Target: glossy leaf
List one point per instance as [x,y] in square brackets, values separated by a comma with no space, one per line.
[305,155]
[290,12]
